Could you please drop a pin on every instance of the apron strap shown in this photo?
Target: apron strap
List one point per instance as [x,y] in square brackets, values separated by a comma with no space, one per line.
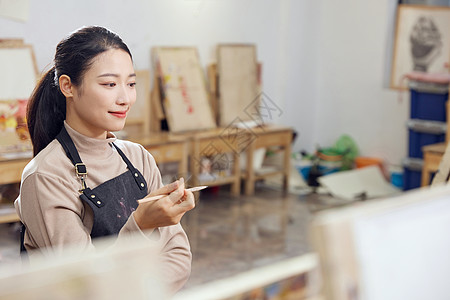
[80,168]
[72,153]
[140,181]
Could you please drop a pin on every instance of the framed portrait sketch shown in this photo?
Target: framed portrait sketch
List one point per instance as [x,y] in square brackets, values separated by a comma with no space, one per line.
[422,41]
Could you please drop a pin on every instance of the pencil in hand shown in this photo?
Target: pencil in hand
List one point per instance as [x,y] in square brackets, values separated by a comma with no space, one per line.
[157,197]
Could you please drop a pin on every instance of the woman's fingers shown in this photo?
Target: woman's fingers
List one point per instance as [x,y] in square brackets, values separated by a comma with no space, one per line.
[186,203]
[167,211]
[167,189]
[177,194]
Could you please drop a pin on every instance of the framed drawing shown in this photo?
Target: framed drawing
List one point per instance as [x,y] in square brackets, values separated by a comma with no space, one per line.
[183,89]
[422,41]
[18,76]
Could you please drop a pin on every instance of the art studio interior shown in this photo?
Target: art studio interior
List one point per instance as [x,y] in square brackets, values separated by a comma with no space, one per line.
[302,144]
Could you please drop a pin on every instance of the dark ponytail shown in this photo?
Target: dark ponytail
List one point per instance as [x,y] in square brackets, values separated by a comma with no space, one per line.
[46,112]
[74,55]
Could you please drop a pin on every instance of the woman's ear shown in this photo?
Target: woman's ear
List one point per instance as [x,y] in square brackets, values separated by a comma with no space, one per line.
[65,85]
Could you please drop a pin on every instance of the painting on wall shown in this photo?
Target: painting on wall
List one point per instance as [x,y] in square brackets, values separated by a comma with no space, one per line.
[422,42]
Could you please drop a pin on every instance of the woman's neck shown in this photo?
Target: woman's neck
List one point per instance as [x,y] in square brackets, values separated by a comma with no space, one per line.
[86,130]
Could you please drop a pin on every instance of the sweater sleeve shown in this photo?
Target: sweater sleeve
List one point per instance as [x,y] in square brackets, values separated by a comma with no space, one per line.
[176,257]
[52,215]
[175,252]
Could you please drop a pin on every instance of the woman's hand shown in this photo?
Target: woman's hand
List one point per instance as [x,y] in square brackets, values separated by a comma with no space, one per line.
[165,211]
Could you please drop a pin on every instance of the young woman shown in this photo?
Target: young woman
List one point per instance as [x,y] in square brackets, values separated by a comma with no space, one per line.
[83,183]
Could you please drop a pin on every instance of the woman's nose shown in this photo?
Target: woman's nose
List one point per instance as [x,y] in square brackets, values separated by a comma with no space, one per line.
[124,96]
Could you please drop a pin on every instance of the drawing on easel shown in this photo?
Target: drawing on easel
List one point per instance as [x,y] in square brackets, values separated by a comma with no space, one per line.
[422,42]
[183,90]
[238,85]
[17,81]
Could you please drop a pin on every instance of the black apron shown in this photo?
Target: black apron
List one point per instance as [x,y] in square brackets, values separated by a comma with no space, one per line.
[112,201]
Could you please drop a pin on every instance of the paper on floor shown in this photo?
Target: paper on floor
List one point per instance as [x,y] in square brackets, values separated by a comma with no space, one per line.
[358,184]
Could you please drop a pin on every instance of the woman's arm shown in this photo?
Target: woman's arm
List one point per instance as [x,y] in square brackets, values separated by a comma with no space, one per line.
[53,215]
[176,257]
[175,253]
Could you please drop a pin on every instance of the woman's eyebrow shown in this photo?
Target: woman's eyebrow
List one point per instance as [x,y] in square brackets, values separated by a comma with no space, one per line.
[114,75]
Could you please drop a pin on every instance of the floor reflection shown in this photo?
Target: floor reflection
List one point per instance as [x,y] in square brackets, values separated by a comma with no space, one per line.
[230,235]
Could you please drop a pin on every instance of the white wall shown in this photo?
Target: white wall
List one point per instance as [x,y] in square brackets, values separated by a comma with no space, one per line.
[351,99]
[322,60]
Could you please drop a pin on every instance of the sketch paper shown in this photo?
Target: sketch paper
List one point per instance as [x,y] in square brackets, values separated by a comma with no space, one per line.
[400,244]
[238,82]
[406,252]
[185,97]
[351,185]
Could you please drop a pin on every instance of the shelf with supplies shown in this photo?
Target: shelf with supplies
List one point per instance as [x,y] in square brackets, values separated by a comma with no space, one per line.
[214,158]
[264,137]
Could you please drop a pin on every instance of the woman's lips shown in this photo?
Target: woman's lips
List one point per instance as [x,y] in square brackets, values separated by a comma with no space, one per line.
[119,114]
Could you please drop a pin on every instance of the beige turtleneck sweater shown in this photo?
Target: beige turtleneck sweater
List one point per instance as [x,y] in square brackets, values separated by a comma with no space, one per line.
[56,218]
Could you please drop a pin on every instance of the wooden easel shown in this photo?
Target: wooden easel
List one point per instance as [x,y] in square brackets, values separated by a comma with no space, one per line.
[156,109]
[268,136]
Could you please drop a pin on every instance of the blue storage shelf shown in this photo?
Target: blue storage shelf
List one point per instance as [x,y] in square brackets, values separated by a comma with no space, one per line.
[428,101]
[422,133]
[412,173]
[427,126]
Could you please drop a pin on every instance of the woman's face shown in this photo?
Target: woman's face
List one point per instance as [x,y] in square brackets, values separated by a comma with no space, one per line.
[105,96]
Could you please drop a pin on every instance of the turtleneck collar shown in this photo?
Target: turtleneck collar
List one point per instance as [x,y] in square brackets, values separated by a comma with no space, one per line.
[85,144]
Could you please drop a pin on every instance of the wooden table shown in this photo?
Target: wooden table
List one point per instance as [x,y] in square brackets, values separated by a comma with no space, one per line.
[166,147]
[264,137]
[432,156]
[10,172]
[11,169]
[234,142]
[221,146]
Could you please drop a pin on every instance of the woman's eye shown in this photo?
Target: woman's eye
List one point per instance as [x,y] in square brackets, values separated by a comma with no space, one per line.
[111,84]
[133,84]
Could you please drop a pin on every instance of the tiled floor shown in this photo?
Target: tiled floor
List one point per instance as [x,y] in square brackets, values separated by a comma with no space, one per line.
[228,234]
